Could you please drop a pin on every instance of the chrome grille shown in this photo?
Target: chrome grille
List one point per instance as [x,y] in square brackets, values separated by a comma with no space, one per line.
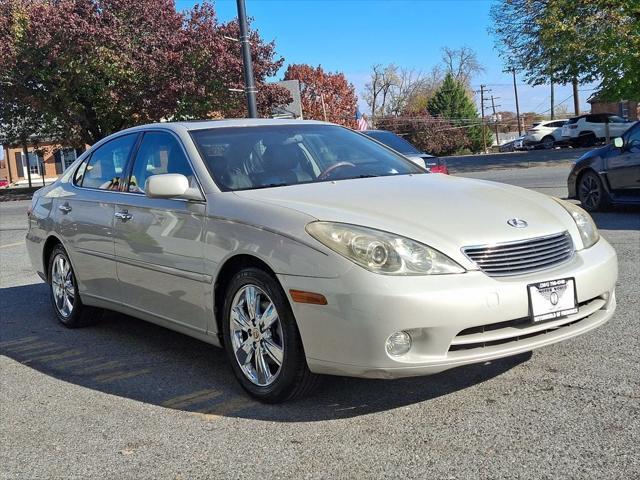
[524,256]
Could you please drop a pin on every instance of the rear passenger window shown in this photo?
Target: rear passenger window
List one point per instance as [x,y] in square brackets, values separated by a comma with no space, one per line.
[105,167]
[159,153]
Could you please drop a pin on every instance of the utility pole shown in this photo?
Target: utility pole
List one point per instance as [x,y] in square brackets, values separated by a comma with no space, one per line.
[484,136]
[495,123]
[576,99]
[249,85]
[552,100]
[515,90]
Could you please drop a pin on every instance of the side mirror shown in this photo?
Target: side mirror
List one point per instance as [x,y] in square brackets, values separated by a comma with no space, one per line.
[170,185]
[618,142]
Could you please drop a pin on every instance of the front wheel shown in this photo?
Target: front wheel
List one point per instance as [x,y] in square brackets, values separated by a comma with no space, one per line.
[262,340]
[591,192]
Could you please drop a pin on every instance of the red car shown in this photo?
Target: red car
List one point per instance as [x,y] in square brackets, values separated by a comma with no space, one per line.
[4,183]
[400,145]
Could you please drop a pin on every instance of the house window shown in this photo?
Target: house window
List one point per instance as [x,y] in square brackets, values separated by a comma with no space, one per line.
[33,163]
[68,156]
[624,109]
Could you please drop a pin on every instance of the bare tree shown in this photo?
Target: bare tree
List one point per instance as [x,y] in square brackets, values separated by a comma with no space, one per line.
[462,63]
[383,79]
[419,97]
[409,83]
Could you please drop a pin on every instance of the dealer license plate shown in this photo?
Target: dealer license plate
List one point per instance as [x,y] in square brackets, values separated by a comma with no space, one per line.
[552,299]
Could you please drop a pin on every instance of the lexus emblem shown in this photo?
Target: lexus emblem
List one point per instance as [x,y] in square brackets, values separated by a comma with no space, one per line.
[517,223]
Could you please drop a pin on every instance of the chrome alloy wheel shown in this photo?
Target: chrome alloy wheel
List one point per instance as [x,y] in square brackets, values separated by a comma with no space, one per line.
[256,335]
[62,285]
[590,192]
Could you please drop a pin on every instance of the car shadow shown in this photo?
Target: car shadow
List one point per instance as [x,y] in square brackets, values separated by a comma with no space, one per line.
[620,218]
[130,358]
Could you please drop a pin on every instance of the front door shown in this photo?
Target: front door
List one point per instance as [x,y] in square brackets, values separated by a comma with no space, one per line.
[158,242]
[623,171]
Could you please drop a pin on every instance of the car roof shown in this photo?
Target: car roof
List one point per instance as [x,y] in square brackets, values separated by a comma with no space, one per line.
[235,122]
[554,120]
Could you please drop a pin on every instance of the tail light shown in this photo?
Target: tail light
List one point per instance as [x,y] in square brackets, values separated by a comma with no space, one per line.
[440,168]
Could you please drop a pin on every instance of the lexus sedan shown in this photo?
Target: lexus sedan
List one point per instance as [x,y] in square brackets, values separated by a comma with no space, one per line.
[608,175]
[290,244]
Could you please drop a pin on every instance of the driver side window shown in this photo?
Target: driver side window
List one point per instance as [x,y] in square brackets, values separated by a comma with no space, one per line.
[633,140]
[159,153]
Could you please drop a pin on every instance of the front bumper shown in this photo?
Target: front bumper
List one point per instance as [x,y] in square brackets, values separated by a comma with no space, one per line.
[446,315]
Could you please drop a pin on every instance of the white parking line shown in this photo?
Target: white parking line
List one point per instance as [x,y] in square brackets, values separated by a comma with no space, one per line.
[12,245]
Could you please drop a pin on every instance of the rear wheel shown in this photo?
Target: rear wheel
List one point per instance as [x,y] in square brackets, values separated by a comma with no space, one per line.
[262,339]
[548,142]
[70,310]
[587,139]
[591,192]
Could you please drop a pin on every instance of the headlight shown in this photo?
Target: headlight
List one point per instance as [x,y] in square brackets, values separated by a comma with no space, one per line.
[382,252]
[584,222]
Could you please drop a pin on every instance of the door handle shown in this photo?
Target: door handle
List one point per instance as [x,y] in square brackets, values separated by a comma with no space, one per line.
[123,215]
[65,208]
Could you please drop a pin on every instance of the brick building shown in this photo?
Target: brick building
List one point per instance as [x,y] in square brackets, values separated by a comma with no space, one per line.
[45,159]
[625,108]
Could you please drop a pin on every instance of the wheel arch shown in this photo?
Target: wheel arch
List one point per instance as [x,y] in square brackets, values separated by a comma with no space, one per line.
[592,167]
[47,249]
[229,268]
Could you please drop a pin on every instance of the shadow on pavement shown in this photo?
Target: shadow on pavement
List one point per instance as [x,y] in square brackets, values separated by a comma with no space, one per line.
[620,218]
[130,358]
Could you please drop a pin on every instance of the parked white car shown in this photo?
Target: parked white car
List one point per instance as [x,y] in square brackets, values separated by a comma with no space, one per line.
[545,134]
[586,130]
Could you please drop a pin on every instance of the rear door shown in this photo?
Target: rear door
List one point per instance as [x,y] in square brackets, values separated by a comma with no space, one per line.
[617,126]
[158,242]
[623,171]
[85,217]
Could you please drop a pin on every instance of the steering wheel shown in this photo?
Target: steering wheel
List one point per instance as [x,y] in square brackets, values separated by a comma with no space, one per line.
[325,173]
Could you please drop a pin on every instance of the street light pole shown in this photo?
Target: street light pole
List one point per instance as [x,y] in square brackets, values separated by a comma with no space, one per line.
[249,85]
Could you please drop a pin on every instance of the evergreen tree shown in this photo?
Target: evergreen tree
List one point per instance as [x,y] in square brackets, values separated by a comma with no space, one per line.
[452,103]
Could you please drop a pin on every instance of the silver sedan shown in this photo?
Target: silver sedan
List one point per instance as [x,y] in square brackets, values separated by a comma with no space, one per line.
[305,248]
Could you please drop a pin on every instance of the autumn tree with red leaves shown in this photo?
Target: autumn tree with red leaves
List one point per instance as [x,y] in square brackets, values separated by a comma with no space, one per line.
[97,66]
[324,93]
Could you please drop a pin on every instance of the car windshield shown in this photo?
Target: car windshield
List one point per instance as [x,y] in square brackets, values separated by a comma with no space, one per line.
[392,140]
[243,158]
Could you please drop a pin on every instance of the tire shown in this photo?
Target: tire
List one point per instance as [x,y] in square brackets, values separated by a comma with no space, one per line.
[587,139]
[591,192]
[548,142]
[248,338]
[63,291]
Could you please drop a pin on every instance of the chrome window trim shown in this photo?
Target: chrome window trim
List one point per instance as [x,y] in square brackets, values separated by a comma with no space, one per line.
[138,132]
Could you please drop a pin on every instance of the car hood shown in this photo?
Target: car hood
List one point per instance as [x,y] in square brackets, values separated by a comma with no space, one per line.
[442,211]
[596,152]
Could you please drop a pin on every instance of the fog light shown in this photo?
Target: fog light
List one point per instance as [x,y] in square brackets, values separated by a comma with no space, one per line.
[398,343]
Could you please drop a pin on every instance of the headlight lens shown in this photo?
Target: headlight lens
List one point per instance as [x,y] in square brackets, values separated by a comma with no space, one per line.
[382,252]
[584,222]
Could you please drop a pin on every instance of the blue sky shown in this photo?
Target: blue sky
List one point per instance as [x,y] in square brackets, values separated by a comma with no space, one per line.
[351,35]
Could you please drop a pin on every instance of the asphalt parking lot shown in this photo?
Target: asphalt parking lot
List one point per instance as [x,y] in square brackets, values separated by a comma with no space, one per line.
[125,399]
